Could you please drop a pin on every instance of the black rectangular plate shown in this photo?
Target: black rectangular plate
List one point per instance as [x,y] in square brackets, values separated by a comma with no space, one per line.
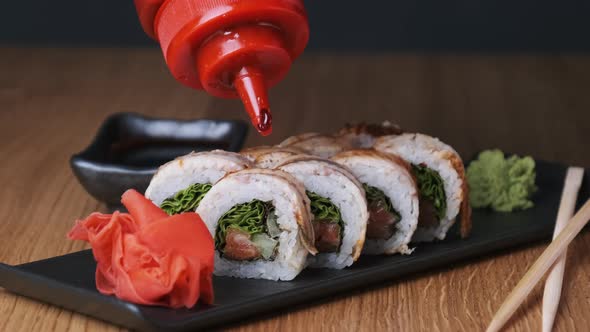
[68,281]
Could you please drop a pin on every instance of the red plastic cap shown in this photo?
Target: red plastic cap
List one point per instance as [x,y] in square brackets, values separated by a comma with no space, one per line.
[231,49]
[146,11]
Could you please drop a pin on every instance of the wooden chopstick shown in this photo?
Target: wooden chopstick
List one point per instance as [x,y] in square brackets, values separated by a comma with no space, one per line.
[552,292]
[541,265]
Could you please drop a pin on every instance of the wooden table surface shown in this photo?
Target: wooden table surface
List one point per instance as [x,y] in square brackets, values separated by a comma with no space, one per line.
[52,100]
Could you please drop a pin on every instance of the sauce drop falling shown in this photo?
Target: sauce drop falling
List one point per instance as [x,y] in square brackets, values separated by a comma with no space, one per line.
[264,122]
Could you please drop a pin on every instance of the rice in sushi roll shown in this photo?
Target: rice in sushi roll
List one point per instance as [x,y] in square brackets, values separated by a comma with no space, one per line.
[261,222]
[338,207]
[441,180]
[392,199]
[181,184]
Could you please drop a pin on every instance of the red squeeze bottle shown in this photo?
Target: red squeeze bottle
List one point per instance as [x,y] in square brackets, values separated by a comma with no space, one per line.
[229,48]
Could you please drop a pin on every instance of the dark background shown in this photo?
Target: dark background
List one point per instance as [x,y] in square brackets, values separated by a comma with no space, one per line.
[391,25]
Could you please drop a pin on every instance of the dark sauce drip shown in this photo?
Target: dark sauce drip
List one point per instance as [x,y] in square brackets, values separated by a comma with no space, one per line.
[264,125]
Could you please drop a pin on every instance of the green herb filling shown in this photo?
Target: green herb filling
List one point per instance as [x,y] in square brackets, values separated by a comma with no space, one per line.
[432,188]
[323,209]
[186,200]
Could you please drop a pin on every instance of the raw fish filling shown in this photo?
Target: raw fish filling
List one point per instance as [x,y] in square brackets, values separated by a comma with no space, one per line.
[328,226]
[382,216]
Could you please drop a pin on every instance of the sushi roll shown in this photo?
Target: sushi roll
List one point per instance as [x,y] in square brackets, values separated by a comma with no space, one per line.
[261,222]
[324,146]
[292,140]
[363,135]
[181,184]
[270,156]
[338,206]
[253,152]
[441,180]
[392,199]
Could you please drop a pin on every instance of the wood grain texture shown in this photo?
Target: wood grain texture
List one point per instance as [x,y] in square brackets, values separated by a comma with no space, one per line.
[53,100]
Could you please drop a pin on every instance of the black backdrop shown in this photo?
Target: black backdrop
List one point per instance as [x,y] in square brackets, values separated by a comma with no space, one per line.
[414,25]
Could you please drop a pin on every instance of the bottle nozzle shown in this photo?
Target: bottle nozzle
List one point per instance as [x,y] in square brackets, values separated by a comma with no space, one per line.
[251,87]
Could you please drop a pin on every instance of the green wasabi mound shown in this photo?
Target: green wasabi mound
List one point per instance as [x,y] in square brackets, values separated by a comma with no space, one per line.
[186,200]
[503,184]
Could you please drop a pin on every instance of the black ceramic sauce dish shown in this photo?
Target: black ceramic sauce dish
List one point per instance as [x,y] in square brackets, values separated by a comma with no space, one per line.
[129,148]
